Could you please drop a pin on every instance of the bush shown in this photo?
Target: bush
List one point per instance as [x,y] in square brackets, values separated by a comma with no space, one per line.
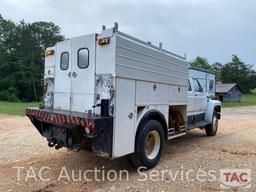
[9,94]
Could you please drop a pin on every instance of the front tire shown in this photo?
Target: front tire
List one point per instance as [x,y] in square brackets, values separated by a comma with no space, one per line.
[149,145]
[212,128]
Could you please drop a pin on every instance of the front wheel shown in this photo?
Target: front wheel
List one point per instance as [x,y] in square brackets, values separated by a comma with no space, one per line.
[212,128]
[149,145]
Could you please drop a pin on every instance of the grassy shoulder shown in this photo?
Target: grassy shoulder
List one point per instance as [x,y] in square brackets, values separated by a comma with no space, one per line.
[15,108]
[19,108]
[247,99]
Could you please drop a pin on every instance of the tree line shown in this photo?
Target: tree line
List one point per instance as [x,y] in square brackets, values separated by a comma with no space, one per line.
[235,71]
[21,61]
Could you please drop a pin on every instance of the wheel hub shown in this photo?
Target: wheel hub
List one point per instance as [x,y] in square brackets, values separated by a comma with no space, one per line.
[152,144]
[215,123]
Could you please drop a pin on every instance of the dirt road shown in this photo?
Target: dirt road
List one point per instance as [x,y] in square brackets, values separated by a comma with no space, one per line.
[27,164]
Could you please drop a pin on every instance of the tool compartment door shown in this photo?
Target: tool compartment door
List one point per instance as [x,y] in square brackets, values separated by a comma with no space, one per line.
[62,76]
[83,73]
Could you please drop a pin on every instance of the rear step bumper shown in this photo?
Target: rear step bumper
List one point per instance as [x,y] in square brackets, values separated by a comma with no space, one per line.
[74,130]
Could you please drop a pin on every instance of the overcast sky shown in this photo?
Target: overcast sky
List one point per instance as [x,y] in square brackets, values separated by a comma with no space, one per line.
[214,29]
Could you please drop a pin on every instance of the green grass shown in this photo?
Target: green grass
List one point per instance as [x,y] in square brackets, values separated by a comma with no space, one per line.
[15,108]
[247,99]
[19,108]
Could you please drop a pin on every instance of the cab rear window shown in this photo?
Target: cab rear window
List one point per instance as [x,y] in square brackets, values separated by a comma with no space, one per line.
[83,58]
[64,60]
[211,85]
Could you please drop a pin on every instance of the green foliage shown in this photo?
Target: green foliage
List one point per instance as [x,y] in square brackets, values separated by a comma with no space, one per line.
[238,72]
[9,94]
[21,61]
[216,69]
[201,63]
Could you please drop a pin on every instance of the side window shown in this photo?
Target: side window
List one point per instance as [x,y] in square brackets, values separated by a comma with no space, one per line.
[211,85]
[83,58]
[197,86]
[64,59]
[189,86]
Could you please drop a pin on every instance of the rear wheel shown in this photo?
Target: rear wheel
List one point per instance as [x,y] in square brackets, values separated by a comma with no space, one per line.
[212,128]
[149,145]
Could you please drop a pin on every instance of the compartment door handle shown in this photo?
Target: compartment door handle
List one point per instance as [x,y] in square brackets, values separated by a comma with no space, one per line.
[74,74]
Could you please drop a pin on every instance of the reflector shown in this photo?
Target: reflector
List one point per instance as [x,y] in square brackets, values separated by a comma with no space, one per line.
[48,53]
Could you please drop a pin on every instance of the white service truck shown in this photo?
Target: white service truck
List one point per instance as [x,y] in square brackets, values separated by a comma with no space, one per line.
[116,95]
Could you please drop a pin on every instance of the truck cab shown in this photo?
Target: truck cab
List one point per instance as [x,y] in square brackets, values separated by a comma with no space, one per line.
[201,91]
[200,104]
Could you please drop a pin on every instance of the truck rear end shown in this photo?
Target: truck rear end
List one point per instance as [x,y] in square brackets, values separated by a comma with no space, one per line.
[67,117]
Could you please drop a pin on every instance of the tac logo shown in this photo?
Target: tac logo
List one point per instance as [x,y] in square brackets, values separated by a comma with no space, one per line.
[235,178]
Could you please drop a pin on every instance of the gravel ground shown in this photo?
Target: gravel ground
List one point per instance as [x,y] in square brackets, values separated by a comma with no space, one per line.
[22,146]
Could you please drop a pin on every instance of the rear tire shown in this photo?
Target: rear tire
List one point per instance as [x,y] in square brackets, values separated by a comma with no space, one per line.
[149,146]
[212,128]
